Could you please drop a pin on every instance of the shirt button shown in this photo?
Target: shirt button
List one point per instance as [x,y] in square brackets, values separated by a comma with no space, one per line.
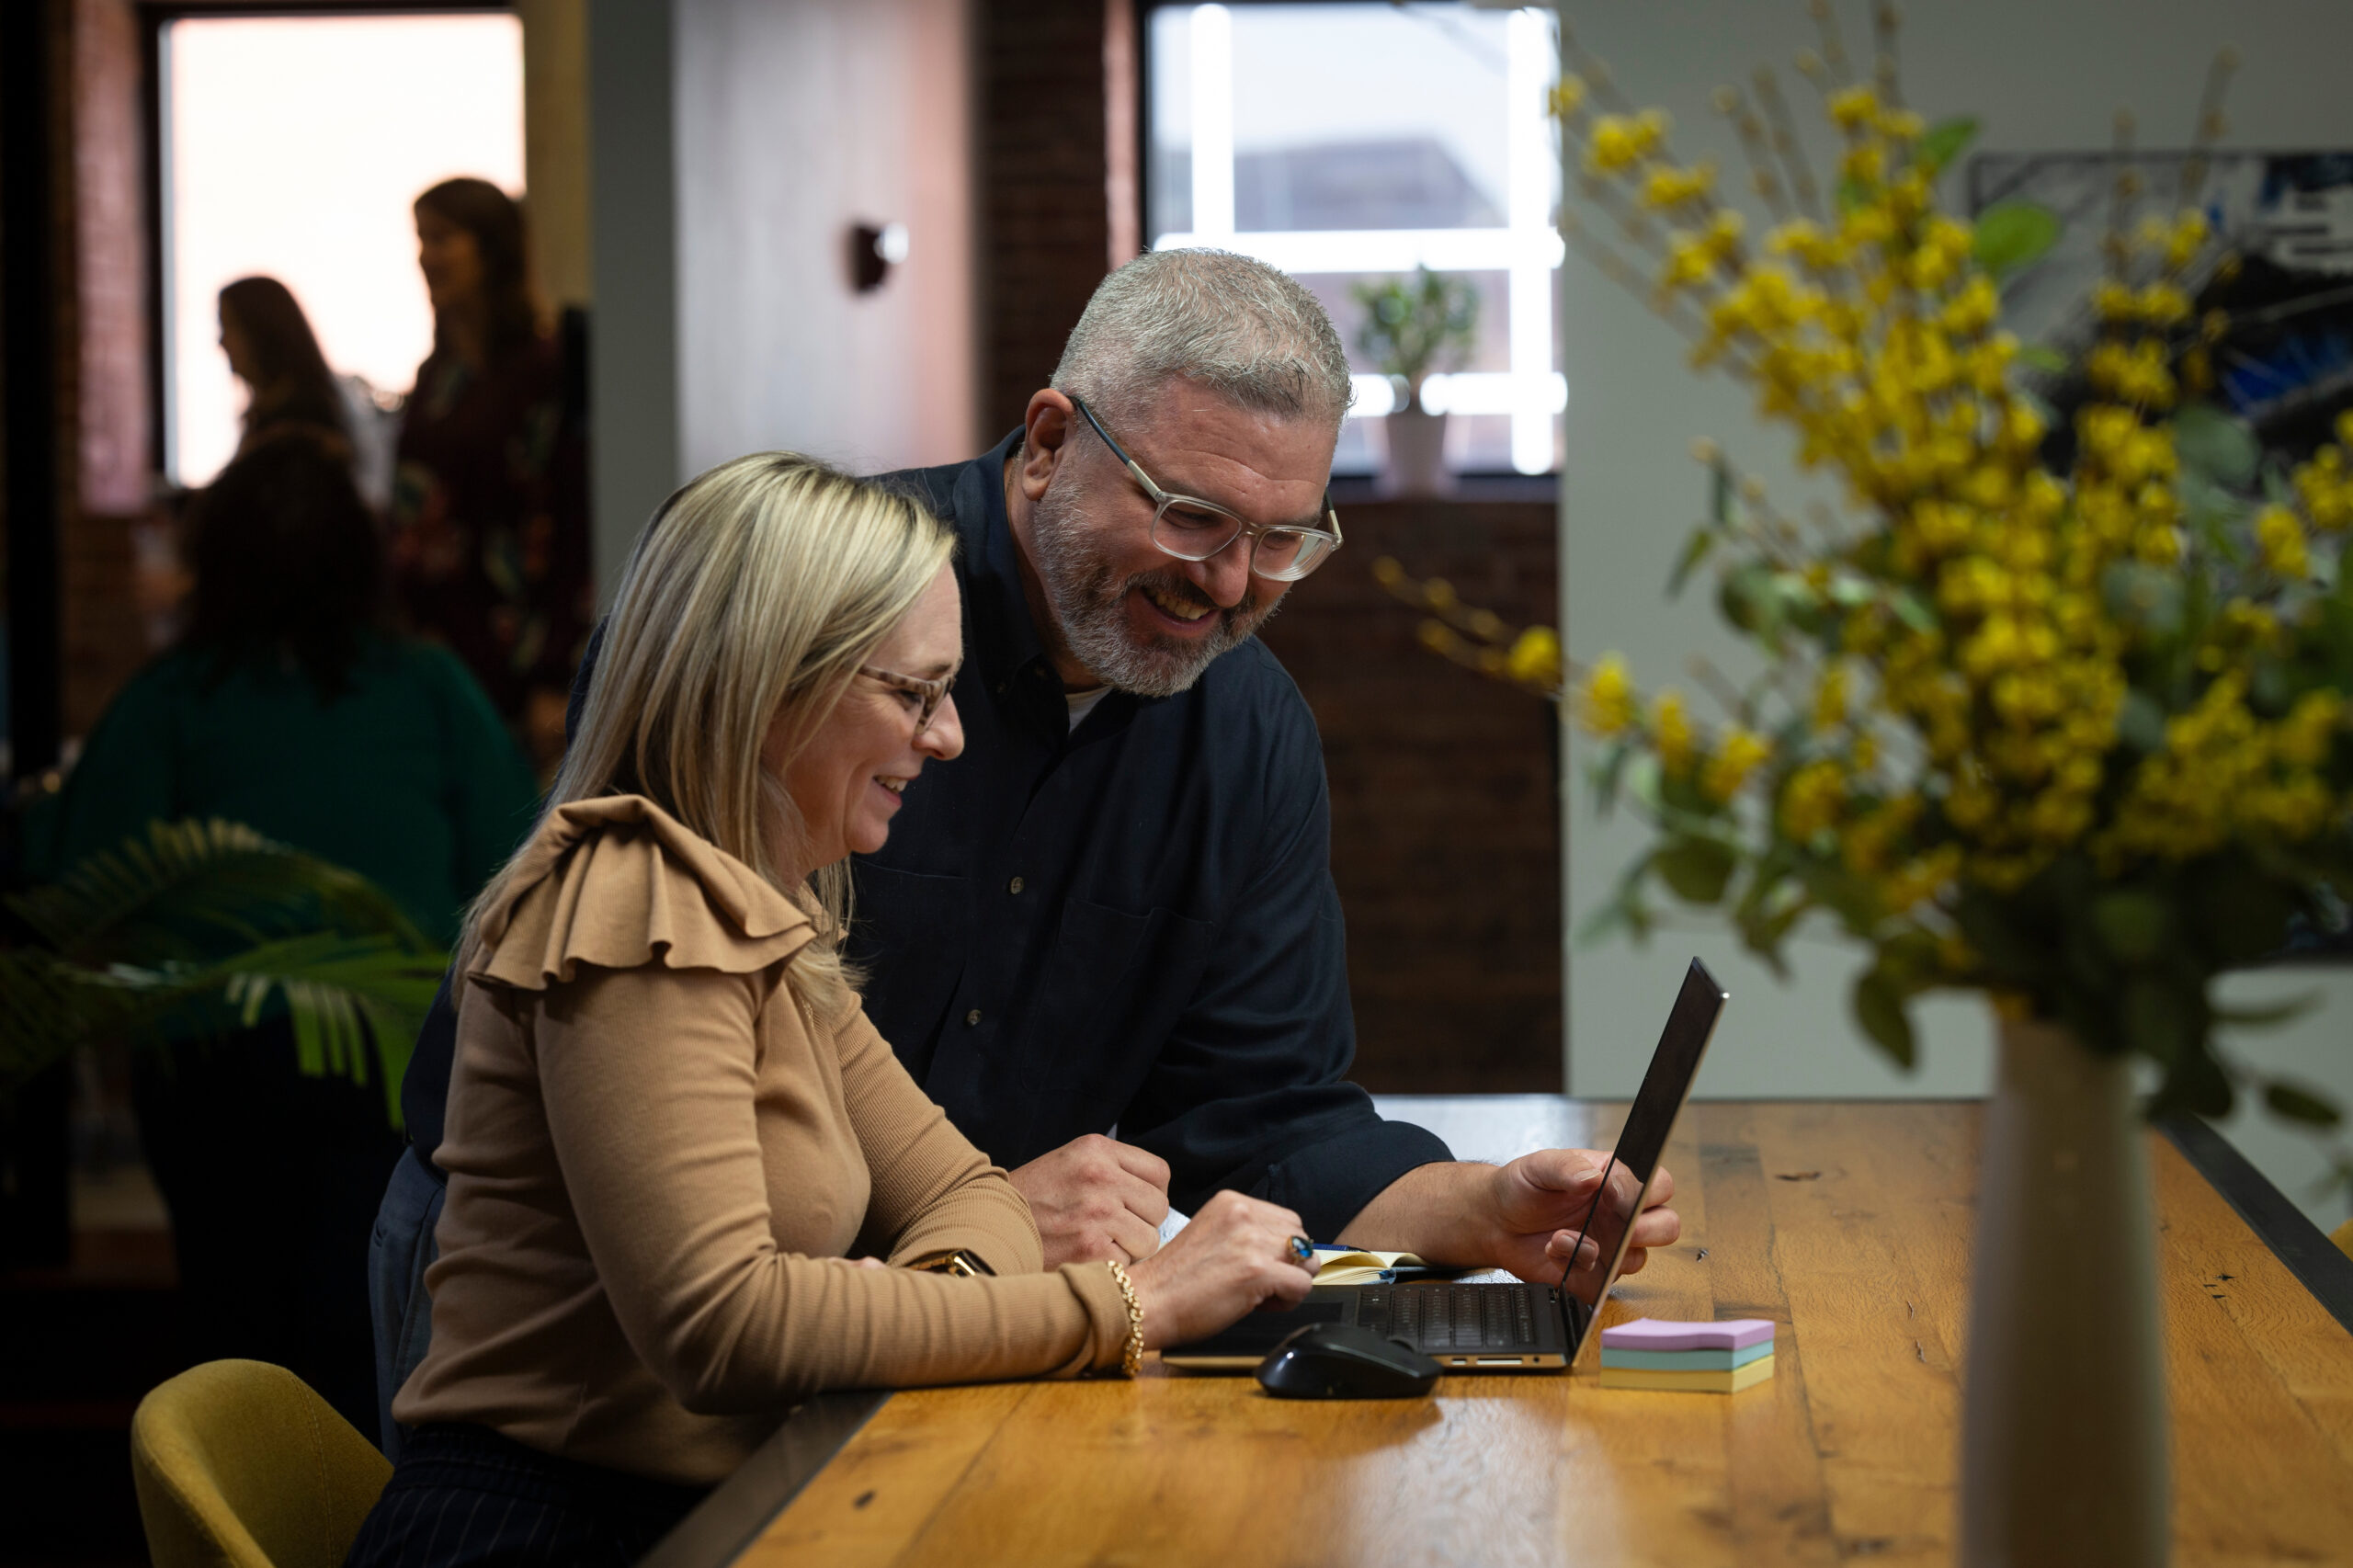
[1013,886]
[972,1018]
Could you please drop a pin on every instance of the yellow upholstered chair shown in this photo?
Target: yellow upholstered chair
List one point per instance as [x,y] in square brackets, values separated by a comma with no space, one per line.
[2344,1238]
[239,1465]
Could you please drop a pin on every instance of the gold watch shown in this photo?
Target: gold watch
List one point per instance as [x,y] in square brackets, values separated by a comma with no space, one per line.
[955,1260]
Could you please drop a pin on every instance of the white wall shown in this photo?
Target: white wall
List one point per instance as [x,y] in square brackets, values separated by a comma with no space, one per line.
[632,236]
[734,142]
[795,122]
[2039,75]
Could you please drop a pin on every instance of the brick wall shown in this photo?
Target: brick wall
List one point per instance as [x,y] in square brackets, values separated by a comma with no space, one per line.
[1445,833]
[1044,210]
[103,352]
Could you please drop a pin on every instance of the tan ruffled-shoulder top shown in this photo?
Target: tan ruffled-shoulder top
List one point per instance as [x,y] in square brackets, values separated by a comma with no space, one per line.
[660,1164]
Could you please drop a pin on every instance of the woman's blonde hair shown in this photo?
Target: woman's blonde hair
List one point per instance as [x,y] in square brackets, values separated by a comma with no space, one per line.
[758,589]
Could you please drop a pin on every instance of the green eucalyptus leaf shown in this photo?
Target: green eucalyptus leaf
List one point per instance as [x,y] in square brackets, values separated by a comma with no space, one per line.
[1601,924]
[1748,599]
[2277,491]
[2012,234]
[1695,550]
[2153,1022]
[1608,768]
[1879,1008]
[1942,143]
[1913,610]
[2043,359]
[2216,445]
[1640,781]
[2140,722]
[2302,1105]
[2145,595]
[2132,926]
[1624,909]
[1699,870]
[1841,894]
[1850,591]
[1912,957]
[1680,794]
[2011,957]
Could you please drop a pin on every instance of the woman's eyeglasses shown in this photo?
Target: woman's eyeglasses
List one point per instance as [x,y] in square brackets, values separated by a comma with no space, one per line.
[1193,529]
[929,694]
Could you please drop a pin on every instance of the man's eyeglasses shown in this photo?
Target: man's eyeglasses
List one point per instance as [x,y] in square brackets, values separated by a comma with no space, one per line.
[1193,529]
[929,694]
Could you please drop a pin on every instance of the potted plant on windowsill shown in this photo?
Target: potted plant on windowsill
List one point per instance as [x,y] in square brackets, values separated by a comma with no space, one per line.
[1413,327]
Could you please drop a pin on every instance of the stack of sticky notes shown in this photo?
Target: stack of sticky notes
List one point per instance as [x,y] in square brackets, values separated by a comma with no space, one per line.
[1694,1358]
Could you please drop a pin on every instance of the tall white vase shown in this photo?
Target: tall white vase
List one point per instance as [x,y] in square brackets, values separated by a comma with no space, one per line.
[2064,1444]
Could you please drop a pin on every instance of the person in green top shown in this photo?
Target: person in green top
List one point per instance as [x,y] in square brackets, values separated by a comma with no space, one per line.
[290,706]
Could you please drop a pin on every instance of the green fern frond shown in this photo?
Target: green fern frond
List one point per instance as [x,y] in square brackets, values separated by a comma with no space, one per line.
[343,995]
[199,929]
[191,886]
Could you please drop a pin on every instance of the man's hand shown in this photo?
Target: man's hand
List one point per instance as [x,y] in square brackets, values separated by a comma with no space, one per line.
[1540,1198]
[1095,1200]
[1524,1216]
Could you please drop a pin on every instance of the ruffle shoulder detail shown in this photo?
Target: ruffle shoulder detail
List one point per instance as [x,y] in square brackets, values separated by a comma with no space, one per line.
[619,883]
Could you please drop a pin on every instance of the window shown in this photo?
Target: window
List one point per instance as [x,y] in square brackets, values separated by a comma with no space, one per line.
[1351,142]
[292,146]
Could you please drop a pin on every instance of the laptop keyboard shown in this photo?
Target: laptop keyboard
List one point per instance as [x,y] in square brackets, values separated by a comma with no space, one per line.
[1453,1317]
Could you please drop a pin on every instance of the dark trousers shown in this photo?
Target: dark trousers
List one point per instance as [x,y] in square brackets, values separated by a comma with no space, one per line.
[468,1498]
[399,1253]
[272,1179]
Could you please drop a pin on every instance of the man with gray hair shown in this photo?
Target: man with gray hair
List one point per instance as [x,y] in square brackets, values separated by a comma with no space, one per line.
[1115,912]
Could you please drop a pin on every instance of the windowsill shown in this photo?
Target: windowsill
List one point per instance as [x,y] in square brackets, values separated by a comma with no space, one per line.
[1357,489]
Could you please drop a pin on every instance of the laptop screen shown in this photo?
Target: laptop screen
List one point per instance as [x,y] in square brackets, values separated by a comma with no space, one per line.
[1607,1222]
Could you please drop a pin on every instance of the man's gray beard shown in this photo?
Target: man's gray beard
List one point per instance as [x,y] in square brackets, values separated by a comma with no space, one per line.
[1090,609]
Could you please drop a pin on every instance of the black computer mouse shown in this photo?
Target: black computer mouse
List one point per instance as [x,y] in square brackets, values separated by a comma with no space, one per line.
[1333,1360]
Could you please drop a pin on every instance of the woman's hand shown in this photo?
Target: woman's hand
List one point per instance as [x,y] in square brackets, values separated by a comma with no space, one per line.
[1235,1256]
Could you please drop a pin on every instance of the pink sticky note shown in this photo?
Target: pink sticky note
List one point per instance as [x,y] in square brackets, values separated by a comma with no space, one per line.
[1658,1333]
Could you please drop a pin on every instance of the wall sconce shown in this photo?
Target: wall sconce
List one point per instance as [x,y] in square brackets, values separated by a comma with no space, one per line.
[873,252]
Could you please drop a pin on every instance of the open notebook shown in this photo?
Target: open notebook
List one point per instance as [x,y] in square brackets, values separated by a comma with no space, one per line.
[1349,1266]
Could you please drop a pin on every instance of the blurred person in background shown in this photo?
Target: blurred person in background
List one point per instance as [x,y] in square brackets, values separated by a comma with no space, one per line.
[271,348]
[287,706]
[489,550]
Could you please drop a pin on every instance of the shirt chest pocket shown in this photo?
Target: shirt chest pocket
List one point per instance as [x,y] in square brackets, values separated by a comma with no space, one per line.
[1109,992]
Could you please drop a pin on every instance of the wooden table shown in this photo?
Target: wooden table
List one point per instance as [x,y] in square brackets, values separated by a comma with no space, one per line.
[1847,1225]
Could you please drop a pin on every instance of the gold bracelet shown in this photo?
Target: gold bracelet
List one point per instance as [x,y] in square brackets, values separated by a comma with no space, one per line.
[1132,1355]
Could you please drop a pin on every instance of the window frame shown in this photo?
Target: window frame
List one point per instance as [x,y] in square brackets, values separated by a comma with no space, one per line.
[1147,181]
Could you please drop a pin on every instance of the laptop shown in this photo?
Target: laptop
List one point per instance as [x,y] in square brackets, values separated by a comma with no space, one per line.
[1511,1327]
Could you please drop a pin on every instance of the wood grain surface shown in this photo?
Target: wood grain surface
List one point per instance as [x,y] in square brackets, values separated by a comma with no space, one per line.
[1847,1225]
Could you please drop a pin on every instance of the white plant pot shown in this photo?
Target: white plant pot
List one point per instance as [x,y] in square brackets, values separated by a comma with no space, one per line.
[1416,453]
[2064,1444]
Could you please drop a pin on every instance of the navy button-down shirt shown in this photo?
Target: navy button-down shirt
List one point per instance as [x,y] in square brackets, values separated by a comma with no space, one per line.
[1133,924]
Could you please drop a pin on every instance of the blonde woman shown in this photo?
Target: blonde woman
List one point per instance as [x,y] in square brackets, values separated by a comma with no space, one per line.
[688,1183]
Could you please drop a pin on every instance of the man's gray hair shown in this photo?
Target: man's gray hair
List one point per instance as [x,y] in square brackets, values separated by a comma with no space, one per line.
[1225,322]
